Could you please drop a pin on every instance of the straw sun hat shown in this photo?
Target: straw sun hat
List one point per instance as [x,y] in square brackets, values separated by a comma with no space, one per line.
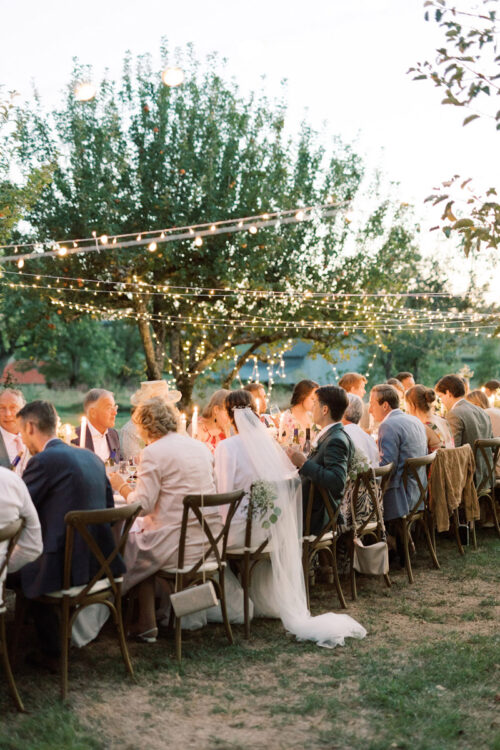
[152,388]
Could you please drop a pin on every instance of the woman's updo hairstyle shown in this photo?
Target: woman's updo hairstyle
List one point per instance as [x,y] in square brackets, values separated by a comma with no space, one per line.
[239,400]
[420,397]
[156,417]
[302,390]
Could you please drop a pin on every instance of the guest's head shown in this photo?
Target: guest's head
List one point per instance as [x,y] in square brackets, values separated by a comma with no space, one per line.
[240,399]
[491,387]
[11,401]
[155,418]
[353,382]
[100,408]
[406,379]
[384,398]
[478,398]
[354,411]
[303,394]
[450,389]
[419,400]
[466,383]
[37,425]
[258,392]
[397,384]
[330,403]
[215,410]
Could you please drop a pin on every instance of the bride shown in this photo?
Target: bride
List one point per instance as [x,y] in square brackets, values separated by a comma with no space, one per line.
[247,457]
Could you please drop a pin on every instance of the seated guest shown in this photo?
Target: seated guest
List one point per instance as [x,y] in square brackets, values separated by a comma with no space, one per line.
[363,442]
[400,436]
[130,442]
[419,401]
[354,383]
[258,392]
[327,465]
[16,503]
[480,399]
[401,391]
[492,387]
[59,478]
[13,453]
[172,466]
[297,419]
[467,421]
[213,424]
[101,438]
[406,379]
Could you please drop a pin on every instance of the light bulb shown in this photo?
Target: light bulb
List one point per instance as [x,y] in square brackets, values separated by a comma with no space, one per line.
[173,76]
[20,263]
[104,239]
[253,229]
[84,91]
[198,242]
[62,251]
[152,247]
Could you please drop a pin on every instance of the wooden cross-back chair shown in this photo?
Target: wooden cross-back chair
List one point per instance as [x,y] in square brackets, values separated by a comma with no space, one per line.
[10,534]
[373,525]
[489,450]
[325,541]
[211,562]
[420,513]
[103,588]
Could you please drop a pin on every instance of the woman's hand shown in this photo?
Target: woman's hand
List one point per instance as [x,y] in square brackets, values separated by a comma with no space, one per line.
[117,480]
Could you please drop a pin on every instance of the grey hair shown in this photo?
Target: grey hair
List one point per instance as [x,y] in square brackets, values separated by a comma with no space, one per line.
[92,396]
[14,392]
[354,411]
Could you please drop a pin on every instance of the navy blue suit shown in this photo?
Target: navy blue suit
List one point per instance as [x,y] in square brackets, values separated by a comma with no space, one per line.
[59,479]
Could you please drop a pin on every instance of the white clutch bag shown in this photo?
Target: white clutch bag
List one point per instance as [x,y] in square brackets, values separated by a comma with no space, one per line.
[194,599]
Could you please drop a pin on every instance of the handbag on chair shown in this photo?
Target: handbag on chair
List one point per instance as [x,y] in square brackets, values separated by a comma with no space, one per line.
[195,598]
[372,560]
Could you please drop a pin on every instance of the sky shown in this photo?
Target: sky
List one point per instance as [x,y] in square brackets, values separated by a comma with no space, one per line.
[345,61]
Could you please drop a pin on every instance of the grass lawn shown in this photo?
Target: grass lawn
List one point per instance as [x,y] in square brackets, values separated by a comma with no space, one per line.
[427,677]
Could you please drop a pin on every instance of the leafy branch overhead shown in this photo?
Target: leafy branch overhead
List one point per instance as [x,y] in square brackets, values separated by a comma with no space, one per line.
[467,69]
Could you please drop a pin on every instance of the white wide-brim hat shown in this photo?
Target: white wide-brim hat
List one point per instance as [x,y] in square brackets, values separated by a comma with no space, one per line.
[152,388]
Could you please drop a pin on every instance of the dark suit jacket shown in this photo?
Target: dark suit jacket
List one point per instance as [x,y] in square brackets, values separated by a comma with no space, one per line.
[4,456]
[112,438]
[327,468]
[59,479]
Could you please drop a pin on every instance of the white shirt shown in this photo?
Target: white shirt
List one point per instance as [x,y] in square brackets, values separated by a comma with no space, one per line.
[15,502]
[101,447]
[322,432]
[364,442]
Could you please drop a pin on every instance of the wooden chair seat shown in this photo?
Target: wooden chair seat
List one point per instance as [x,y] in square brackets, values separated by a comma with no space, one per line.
[212,560]
[103,588]
[323,538]
[10,534]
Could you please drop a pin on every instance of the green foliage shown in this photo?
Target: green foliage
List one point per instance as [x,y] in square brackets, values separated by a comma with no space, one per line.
[467,67]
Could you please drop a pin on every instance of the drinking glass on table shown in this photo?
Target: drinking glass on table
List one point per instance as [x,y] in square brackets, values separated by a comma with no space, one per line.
[275,414]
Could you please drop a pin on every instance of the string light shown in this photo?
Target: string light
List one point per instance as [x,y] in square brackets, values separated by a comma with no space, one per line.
[84,91]
[173,76]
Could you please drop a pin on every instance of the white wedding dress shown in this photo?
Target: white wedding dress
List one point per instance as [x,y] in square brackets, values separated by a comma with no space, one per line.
[255,455]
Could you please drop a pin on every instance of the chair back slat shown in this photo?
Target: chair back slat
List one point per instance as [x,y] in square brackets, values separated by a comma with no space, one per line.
[215,545]
[79,521]
[489,450]
[367,480]
[411,469]
[10,533]
[332,514]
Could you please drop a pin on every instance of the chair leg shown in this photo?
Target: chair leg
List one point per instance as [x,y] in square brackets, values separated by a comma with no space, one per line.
[246,594]
[472,526]
[430,546]
[354,592]
[456,528]
[65,636]
[491,499]
[7,668]
[121,633]
[387,580]
[225,618]
[178,639]
[306,563]
[337,579]
[21,607]
[406,546]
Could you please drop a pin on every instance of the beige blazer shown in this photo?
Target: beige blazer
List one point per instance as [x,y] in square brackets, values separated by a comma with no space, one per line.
[469,423]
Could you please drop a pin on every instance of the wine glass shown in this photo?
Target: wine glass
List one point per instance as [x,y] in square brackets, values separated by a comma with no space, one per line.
[275,414]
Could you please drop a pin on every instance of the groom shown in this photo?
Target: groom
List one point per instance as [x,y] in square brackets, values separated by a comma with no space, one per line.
[327,464]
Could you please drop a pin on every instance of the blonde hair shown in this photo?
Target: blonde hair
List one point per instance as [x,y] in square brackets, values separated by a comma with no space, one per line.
[218,399]
[478,398]
[156,417]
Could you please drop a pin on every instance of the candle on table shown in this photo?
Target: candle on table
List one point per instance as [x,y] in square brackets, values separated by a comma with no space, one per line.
[67,433]
[182,423]
[257,401]
[83,431]
[194,424]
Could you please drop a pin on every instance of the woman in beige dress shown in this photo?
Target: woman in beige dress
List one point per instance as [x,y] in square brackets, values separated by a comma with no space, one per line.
[172,466]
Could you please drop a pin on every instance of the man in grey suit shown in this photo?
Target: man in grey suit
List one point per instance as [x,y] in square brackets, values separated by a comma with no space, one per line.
[467,421]
[400,436]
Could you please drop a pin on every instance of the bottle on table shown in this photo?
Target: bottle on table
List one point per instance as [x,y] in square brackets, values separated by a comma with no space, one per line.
[296,440]
[307,445]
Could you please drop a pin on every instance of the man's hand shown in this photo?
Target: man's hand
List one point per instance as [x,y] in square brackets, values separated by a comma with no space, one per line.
[296,456]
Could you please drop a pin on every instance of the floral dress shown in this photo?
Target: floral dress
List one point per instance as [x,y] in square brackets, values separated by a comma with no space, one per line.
[205,436]
[288,424]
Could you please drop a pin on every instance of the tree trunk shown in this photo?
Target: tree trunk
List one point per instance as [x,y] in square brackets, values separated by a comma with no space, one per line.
[388,365]
[153,372]
[185,383]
